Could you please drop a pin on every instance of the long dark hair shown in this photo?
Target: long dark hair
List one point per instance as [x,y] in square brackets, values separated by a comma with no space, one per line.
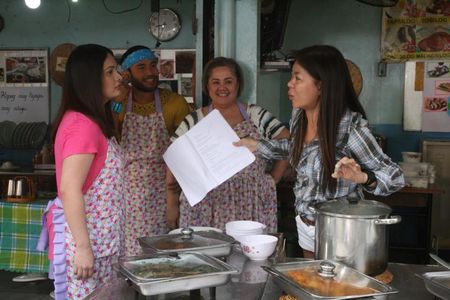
[327,66]
[222,62]
[82,89]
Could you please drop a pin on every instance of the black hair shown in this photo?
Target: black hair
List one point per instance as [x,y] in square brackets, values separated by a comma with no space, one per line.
[327,66]
[83,87]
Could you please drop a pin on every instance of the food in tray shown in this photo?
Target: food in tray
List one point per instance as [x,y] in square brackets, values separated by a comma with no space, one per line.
[307,278]
[439,70]
[445,86]
[287,297]
[435,103]
[170,270]
[435,42]
[168,245]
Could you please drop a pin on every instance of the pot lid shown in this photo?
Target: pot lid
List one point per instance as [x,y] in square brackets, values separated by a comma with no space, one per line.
[186,240]
[354,209]
[156,267]
[319,279]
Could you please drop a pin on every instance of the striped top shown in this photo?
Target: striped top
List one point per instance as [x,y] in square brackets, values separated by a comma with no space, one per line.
[268,126]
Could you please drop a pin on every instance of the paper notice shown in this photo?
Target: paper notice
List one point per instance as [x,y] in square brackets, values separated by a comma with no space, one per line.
[205,157]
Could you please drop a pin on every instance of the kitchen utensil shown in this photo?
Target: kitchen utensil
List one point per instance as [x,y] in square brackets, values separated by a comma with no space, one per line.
[196,228]
[258,246]
[237,229]
[320,279]
[438,283]
[161,274]
[206,242]
[412,157]
[440,260]
[21,189]
[354,233]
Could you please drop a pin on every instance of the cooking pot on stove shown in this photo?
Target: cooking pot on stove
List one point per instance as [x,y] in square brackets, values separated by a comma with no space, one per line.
[354,232]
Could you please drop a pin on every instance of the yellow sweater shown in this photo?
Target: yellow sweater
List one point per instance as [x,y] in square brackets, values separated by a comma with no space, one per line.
[174,109]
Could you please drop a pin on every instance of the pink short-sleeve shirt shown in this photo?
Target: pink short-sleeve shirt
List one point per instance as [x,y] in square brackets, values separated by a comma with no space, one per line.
[78,134]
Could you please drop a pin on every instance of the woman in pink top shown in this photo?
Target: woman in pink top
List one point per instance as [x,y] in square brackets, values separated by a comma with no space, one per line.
[86,220]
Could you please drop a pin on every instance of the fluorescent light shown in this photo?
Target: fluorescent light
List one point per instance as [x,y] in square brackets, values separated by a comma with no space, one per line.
[33,4]
[74,0]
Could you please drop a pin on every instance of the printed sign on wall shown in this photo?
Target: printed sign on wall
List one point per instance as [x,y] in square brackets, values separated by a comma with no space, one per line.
[416,30]
[24,88]
[436,95]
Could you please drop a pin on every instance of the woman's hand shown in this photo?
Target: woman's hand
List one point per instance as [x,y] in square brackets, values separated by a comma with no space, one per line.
[250,143]
[349,169]
[83,262]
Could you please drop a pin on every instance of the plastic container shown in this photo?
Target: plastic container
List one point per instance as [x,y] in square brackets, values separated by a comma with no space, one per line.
[412,157]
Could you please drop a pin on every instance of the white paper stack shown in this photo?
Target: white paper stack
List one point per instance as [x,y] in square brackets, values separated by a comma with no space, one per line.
[204,157]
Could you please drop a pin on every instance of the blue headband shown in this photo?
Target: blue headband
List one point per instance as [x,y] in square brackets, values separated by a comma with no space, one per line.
[136,57]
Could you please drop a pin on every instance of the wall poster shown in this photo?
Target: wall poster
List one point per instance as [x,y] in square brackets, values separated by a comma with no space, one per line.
[436,95]
[24,85]
[416,30]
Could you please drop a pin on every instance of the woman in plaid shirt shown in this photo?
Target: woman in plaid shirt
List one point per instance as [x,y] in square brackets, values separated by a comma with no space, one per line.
[331,147]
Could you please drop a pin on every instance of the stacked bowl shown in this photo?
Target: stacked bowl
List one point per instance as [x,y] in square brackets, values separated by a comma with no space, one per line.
[238,229]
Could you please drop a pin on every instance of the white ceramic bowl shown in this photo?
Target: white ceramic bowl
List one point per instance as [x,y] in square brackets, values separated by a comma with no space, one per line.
[258,246]
[411,156]
[243,226]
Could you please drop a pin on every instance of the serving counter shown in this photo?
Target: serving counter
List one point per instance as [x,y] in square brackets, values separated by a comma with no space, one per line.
[252,282]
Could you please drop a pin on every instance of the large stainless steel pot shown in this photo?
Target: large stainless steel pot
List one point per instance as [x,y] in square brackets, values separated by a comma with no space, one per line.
[354,233]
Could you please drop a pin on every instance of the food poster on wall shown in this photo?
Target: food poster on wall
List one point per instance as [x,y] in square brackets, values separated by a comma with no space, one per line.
[436,95]
[416,30]
[24,88]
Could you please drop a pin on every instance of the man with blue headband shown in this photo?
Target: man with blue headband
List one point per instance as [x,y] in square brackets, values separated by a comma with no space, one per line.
[147,118]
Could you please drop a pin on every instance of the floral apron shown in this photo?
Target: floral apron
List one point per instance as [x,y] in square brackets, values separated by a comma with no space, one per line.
[144,141]
[104,207]
[248,195]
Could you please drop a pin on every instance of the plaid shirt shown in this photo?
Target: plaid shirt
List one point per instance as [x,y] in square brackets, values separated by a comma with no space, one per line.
[355,141]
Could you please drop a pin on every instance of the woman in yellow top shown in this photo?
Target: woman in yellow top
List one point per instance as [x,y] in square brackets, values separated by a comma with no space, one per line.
[146,119]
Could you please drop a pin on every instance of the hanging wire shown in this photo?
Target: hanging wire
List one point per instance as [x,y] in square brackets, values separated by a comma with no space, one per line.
[69,10]
[121,11]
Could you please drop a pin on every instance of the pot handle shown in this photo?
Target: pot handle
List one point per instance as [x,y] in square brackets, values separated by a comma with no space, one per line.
[388,221]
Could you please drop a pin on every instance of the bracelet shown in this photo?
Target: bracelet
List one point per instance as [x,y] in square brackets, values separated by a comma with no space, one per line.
[370,179]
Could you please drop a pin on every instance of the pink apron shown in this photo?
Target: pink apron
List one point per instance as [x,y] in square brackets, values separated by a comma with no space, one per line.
[248,195]
[104,207]
[144,141]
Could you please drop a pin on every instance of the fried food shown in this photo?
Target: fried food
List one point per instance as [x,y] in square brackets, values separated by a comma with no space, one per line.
[445,86]
[435,103]
[327,287]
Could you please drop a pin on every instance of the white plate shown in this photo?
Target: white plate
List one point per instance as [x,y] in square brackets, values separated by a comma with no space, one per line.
[196,228]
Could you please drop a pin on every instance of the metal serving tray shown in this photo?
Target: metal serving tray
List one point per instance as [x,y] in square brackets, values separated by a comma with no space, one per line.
[206,242]
[342,274]
[218,272]
[438,283]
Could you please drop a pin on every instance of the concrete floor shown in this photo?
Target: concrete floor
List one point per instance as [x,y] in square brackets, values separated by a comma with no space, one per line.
[37,290]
